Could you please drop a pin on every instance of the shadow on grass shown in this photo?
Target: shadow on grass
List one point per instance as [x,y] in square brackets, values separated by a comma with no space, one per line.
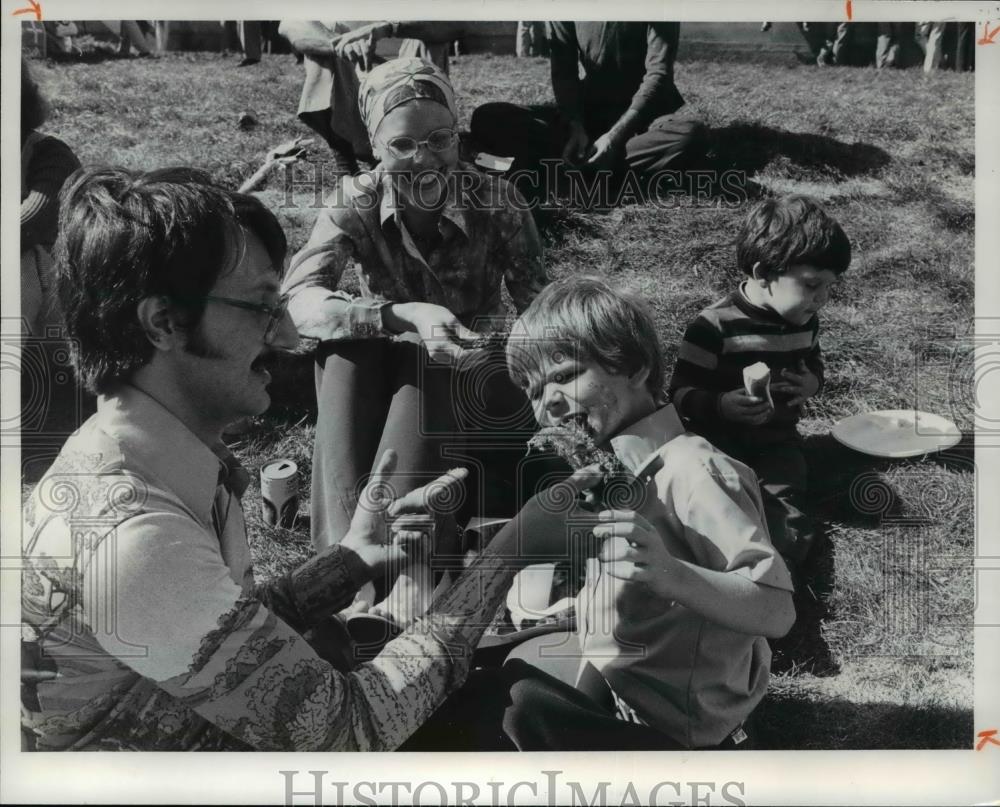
[750,147]
[851,488]
[798,722]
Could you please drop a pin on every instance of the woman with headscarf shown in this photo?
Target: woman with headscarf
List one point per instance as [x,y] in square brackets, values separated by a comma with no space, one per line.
[430,240]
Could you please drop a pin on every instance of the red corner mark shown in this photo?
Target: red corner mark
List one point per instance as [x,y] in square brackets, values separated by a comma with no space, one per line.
[987,38]
[849,15]
[36,9]
[987,736]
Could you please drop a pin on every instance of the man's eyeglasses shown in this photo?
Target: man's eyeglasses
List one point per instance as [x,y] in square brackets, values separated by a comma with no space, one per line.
[404,148]
[276,313]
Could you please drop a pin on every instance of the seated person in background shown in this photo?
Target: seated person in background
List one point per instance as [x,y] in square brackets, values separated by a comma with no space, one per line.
[170,286]
[46,163]
[620,115]
[792,252]
[337,54]
[675,606]
[431,240]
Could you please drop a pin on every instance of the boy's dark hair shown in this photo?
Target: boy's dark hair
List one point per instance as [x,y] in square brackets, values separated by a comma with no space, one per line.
[126,236]
[587,318]
[788,231]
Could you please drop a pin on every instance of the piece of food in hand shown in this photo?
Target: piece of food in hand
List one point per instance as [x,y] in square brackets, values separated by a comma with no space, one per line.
[486,341]
[574,443]
[757,381]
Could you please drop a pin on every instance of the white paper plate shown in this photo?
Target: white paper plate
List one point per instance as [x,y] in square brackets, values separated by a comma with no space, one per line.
[897,433]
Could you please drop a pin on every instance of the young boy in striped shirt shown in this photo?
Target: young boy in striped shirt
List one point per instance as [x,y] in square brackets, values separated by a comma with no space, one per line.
[792,253]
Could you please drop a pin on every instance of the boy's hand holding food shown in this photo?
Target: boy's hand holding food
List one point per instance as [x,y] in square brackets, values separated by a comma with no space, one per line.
[739,407]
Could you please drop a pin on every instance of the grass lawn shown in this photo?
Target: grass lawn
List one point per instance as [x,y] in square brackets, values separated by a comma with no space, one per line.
[882,656]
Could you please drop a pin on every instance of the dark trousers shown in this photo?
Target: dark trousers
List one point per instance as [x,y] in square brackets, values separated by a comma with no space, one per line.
[780,465]
[531,134]
[520,707]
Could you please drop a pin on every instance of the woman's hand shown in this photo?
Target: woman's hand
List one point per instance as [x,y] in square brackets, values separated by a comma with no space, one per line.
[440,331]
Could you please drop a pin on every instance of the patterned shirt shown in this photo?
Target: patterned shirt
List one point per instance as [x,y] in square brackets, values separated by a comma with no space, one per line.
[723,339]
[487,236]
[149,632]
[668,666]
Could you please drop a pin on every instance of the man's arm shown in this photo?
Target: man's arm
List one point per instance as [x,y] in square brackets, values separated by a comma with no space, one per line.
[237,665]
[657,94]
[224,655]
[310,37]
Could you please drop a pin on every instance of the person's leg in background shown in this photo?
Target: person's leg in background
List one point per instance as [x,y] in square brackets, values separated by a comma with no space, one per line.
[672,143]
[249,31]
[887,48]
[934,47]
[522,45]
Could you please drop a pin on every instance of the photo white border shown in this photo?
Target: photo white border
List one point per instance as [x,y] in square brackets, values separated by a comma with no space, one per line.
[847,777]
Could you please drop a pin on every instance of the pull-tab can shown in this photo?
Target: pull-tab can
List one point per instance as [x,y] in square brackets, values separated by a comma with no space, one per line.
[279,492]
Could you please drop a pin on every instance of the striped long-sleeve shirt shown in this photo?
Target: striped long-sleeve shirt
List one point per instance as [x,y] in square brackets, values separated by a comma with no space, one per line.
[726,337]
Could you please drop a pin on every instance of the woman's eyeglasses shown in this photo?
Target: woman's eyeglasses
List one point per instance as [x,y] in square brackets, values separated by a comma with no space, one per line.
[276,313]
[405,148]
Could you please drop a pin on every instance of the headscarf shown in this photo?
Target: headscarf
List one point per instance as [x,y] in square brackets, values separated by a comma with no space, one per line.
[399,81]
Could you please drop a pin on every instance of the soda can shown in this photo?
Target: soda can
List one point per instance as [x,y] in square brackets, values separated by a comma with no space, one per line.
[279,492]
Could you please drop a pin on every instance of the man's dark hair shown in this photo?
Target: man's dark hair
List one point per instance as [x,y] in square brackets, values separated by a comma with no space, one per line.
[125,236]
[789,231]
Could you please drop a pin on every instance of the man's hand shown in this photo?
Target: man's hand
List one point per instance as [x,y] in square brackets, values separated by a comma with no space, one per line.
[633,550]
[359,45]
[604,151]
[369,533]
[440,331]
[737,406]
[801,385]
[428,510]
[578,148]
